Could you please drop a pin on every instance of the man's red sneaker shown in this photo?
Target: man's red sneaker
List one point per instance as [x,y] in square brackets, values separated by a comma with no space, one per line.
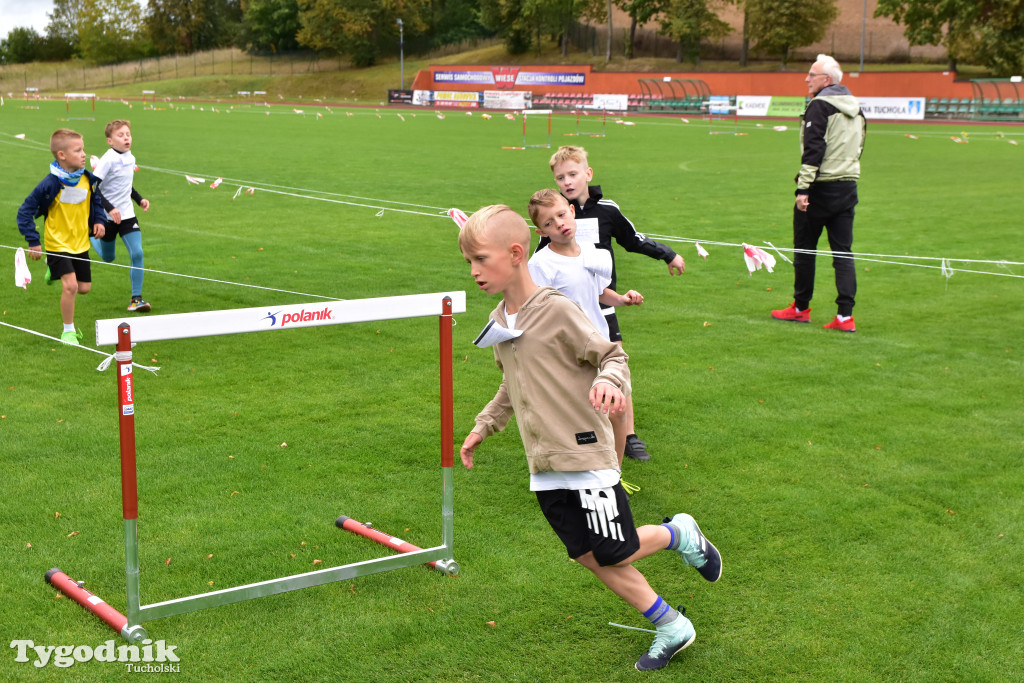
[836,324]
[791,313]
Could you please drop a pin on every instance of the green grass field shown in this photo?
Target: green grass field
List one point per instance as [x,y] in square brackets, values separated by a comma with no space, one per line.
[864,489]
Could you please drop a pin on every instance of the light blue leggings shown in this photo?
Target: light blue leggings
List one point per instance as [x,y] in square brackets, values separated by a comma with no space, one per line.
[133,242]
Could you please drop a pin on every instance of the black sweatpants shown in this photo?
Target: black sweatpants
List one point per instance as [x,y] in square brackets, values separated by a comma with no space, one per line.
[831,208]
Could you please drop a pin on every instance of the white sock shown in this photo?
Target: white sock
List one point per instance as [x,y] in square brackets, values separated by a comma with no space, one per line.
[69,328]
[843,318]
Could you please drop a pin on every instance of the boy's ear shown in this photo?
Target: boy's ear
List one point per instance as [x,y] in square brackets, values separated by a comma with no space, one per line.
[517,252]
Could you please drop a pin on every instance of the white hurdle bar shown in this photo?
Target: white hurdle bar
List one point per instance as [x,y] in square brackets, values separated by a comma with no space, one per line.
[272,318]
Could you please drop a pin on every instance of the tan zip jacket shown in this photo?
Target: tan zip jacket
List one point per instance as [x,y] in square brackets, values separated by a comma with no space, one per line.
[548,372]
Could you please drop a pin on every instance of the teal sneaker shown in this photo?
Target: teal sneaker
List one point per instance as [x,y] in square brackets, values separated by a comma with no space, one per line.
[695,549]
[670,640]
[72,338]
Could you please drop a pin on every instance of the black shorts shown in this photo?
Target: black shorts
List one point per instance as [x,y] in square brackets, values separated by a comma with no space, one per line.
[126,226]
[596,520]
[614,334]
[60,265]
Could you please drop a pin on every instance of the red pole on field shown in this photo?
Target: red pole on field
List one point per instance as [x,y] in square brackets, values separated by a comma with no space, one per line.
[126,424]
[348,524]
[447,393]
[62,582]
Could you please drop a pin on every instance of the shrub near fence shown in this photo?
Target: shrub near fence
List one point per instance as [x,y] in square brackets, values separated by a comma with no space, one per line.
[14,78]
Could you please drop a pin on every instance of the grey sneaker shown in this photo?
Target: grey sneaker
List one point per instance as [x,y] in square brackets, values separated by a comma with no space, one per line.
[696,550]
[668,642]
[636,448]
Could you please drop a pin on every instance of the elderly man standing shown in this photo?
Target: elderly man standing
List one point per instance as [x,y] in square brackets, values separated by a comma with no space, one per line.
[831,140]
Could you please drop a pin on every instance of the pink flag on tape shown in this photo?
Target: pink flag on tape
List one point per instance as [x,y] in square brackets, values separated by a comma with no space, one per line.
[216,183]
[701,251]
[20,136]
[22,275]
[458,216]
[757,258]
[94,161]
[194,180]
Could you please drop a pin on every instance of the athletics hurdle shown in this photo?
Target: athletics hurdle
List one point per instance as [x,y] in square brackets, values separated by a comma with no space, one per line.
[68,96]
[534,112]
[583,111]
[30,94]
[719,105]
[209,323]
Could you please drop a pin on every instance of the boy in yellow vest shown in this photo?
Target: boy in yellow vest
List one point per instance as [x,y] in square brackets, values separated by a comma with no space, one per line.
[70,202]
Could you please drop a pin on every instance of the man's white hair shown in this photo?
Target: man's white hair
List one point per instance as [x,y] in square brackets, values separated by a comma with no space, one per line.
[831,68]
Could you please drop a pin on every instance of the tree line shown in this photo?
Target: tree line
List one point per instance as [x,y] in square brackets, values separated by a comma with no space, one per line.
[985,32]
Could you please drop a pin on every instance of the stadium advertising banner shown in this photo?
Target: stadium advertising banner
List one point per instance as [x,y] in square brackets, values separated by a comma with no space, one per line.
[752,105]
[770,105]
[787,107]
[509,77]
[898,108]
[456,98]
[611,102]
[399,96]
[508,99]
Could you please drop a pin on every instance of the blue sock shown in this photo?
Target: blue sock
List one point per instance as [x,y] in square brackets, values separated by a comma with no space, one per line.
[661,613]
[673,543]
[133,241]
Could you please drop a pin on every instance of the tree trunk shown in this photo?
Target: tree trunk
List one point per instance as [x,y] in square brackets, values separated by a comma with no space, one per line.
[632,38]
[608,50]
[745,46]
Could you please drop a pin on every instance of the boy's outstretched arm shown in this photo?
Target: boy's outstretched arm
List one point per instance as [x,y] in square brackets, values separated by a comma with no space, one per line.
[609,297]
[468,447]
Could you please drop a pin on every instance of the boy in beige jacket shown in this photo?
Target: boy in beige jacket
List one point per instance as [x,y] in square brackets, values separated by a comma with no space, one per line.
[562,379]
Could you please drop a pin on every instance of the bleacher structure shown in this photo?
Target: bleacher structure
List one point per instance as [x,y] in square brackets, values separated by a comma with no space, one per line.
[998,99]
[685,95]
[995,99]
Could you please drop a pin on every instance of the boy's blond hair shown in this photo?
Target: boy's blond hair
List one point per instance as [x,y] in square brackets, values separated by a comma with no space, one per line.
[494,216]
[544,199]
[114,125]
[568,153]
[61,140]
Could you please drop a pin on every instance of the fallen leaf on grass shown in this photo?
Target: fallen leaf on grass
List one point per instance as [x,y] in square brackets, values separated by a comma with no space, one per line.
[29,545]
[950,512]
[56,515]
[168,562]
[210,556]
[315,562]
[73,533]
[232,494]
[490,623]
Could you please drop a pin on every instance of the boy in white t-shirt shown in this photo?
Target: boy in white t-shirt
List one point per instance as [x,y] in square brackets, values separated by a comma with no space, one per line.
[582,272]
[116,171]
